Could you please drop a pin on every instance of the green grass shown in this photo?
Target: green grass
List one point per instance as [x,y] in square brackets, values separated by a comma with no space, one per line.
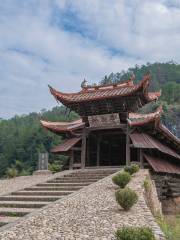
[170,225]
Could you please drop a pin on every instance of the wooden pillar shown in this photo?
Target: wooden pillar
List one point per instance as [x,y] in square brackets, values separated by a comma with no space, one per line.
[110,157]
[83,149]
[141,158]
[88,151]
[98,150]
[127,147]
[71,161]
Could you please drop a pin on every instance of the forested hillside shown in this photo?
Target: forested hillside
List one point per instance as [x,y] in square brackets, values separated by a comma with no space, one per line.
[22,137]
[165,77]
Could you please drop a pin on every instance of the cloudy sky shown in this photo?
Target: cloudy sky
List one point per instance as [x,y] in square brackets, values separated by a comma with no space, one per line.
[60,42]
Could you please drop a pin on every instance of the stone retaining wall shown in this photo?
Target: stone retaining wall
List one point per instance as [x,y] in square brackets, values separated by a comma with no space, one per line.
[92,214]
[151,196]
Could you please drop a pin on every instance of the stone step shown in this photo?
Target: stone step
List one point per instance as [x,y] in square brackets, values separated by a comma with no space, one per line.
[22,204]
[15,212]
[53,189]
[97,170]
[84,178]
[63,184]
[108,172]
[29,198]
[6,219]
[42,193]
[71,180]
[88,174]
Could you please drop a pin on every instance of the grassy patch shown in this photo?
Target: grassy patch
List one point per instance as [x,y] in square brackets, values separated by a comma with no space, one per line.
[170,225]
[135,233]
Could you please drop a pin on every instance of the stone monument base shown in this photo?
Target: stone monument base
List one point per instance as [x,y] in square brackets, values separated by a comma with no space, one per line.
[42,172]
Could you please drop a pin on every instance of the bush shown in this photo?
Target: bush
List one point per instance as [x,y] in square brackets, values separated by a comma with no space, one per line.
[132,233]
[131,169]
[18,166]
[11,172]
[24,173]
[147,184]
[121,179]
[126,198]
[55,167]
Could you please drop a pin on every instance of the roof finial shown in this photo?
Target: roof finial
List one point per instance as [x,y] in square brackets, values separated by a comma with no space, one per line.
[84,83]
[132,77]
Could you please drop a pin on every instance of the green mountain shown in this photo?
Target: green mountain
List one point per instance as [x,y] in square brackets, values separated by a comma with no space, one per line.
[22,137]
[165,77]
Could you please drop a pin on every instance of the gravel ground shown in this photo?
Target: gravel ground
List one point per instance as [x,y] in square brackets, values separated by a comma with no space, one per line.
[18,183]
[91,213]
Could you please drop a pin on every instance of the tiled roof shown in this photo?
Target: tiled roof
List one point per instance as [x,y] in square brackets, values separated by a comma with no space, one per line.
[66,146]
[143,140]
[162,165]
[61,127]
[106,92]
[137,119]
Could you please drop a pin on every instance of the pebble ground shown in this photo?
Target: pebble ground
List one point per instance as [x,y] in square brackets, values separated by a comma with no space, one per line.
[89,214]
[18,183]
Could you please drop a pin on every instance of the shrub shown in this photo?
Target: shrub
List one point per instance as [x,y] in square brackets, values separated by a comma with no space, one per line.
[121,179]
[132,233]
[11,172]
[131,169]
[55,167]
[18,166]
[126,198]
[24,173]
[147,184]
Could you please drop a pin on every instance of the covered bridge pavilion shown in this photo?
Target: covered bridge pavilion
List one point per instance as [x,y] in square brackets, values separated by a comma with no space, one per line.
[110,132]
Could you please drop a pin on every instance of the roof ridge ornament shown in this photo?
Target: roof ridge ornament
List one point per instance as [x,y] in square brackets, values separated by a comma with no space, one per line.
[132,77]
[84,83]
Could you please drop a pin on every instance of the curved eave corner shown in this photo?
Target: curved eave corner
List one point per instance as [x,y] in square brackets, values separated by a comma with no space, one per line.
[52,127]
[56,94]
[136,119]
[140,120]
[150,96]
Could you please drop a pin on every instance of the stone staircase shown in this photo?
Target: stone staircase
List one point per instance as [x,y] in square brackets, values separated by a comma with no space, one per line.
[20,203]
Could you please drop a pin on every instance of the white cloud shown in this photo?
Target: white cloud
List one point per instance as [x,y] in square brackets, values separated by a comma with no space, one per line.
[141,28]
[34,51]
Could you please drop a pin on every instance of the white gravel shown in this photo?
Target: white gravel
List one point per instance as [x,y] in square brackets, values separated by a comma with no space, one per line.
[14,184]
[89,214]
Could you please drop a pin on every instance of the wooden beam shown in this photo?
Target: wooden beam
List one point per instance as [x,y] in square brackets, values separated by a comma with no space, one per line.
[120,126]
[127,147]
[83,151]
[76,148]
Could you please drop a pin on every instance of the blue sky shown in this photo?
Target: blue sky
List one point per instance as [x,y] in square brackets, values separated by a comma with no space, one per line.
[61,42]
